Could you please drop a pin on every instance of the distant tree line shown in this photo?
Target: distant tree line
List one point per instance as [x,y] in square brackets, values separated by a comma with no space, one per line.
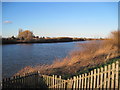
[27,36]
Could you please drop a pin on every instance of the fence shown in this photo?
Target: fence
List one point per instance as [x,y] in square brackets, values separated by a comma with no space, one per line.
[104,77]
[28,80]
[54,81]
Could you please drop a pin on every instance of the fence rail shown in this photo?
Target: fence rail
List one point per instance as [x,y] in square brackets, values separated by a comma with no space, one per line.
[104,77]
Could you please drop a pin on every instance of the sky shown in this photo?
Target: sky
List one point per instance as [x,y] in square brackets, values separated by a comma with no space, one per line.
[60,0]
[57,19]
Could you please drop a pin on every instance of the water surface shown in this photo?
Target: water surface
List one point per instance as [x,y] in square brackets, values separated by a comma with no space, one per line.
[17,56]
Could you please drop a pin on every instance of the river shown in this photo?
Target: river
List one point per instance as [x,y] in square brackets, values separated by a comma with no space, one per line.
[17,56]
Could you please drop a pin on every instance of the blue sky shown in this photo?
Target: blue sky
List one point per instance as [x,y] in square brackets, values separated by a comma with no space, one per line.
[60,0]
[55,19]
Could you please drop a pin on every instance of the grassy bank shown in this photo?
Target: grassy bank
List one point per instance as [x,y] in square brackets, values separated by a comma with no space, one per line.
[89,56]
[88,69]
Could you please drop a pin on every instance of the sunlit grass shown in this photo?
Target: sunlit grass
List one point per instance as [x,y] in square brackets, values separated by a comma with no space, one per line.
[87,57]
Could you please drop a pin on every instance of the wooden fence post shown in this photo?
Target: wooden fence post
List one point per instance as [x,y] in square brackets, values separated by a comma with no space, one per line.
[91,80]
[60,81]
[71,83]
[94,85]
[48,81]
[68,83]
[77,82]
[80,81]
[74,78]
[64,84]
[18,82]
[105,77]
[85,86]
[53,81]
[98,77]
[8,82]
[88,84]
[14,81]
[117,74]
[3,83]
[109,71]
[101,77]
[21,82]
[113,74]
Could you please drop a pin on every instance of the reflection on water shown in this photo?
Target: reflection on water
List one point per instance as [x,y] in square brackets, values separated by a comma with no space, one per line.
[17,56]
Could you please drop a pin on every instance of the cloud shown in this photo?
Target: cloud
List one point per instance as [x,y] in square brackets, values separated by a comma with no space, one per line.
[7,22]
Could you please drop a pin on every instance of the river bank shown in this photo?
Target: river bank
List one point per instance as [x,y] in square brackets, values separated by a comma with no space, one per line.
[51,40]
[86,56]
[41,41]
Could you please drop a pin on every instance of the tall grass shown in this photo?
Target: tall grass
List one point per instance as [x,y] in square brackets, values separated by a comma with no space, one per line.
[87,55]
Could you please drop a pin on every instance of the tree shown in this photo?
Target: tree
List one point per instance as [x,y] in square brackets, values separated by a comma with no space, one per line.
[13,37]
[25,35]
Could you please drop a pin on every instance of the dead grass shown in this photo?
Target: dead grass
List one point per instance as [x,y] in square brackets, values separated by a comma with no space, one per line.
[88,55]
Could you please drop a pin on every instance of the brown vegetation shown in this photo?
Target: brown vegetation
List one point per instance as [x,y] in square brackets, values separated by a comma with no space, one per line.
[88,55]
[25,35]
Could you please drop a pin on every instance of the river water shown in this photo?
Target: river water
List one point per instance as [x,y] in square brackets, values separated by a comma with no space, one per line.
[17,56]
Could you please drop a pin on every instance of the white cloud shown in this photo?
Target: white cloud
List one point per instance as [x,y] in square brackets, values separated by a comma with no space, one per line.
[7,22]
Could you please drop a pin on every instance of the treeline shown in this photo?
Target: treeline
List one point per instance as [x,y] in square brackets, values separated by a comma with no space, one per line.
[14,40]
[27,36]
